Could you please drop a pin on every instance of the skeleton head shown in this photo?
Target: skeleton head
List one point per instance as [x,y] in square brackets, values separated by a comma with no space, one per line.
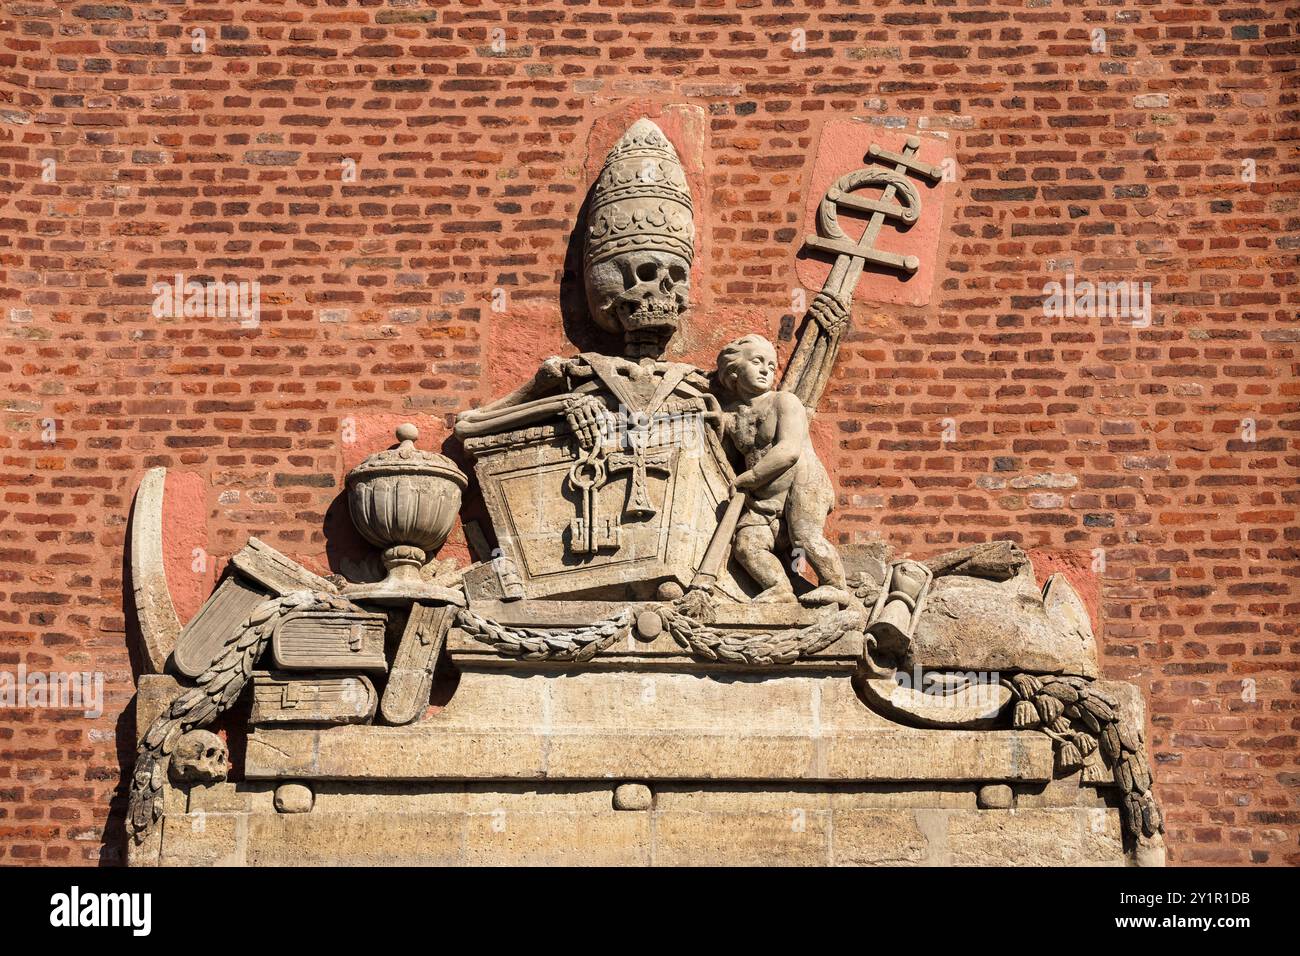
[200,757]
[645,291]
[640,240]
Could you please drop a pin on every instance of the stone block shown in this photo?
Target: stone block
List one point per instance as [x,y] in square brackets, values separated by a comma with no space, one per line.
[996,796]
[879,838]
[557,838]
[380,838]
[1035,837]
[293,798]
[789,837]
[633,796]
[949,796]
[218,798]
[202,839]
[393,754]
[938,755]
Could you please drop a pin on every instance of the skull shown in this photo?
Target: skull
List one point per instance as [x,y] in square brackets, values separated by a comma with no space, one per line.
[200,757]
[643,292]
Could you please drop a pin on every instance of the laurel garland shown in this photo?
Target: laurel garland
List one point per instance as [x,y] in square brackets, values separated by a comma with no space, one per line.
[683,619]
[216,690]
[1090,733]
[777,647]
[576,645]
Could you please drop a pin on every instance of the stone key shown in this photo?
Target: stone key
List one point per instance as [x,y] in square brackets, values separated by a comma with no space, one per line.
[590,532]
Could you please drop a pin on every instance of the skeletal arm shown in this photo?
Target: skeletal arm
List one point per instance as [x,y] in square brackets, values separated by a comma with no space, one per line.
[533,401]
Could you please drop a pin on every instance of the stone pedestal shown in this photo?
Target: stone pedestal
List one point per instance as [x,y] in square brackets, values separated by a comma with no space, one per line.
[596,768]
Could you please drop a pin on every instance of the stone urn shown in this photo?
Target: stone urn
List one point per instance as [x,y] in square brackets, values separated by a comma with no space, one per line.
[404,501]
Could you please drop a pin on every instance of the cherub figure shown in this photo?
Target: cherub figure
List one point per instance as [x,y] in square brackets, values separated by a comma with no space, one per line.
[789,492]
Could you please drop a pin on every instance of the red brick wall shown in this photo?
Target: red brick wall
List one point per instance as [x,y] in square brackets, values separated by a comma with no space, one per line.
[471,164]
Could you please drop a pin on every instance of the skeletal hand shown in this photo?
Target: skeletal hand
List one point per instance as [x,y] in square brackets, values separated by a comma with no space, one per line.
[830,312]
[588,419]
[553,369]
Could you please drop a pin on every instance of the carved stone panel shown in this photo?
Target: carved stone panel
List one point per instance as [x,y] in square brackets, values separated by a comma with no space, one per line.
[330,640]
[533,506]
[844,145]
[283,698]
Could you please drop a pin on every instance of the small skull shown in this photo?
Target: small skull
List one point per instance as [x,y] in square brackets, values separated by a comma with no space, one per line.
[642,291]
[200,757]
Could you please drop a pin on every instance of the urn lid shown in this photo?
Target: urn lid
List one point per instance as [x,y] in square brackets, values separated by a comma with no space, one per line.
[406,459]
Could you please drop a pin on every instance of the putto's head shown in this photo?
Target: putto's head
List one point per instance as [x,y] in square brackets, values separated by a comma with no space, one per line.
[640,238]
[747,366]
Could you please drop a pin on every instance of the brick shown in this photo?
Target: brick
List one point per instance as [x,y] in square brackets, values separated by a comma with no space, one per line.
[1075,433]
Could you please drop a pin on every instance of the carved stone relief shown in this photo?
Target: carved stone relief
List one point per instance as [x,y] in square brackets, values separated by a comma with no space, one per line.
[656,522]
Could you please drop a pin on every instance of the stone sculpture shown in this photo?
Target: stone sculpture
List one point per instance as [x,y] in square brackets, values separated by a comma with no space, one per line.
[404,501]
[200,757]
[628,462]
[637,258]
[644,513]
[787,491]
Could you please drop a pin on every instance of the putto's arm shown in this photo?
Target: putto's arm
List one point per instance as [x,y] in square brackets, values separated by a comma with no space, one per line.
[791,436]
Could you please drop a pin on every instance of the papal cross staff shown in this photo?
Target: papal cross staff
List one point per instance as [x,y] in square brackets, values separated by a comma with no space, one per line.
[818,343]
[809,368]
